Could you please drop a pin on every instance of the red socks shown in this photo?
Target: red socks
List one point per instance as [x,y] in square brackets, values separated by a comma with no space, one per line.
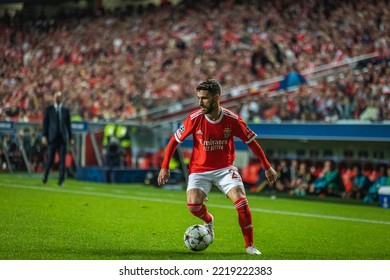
[244,217]
[200,211]
[245,220]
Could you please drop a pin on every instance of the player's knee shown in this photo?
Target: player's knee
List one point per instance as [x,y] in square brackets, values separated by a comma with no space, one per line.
[195,196]
[236,193]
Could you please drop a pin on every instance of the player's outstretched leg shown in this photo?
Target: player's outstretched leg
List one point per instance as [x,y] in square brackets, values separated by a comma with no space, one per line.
[245,222]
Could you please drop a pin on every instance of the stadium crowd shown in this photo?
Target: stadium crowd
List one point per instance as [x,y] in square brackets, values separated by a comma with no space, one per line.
[113,65]
[362,95]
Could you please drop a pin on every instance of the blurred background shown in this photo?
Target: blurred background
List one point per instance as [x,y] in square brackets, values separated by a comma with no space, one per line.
[311,78]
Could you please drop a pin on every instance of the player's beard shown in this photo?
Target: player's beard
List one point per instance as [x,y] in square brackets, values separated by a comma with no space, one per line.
[209,109]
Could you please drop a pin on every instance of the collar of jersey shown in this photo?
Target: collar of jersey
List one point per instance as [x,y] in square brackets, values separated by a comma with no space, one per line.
[216,121]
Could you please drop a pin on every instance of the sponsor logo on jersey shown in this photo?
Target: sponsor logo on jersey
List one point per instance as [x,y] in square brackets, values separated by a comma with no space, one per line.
[213,145]
[226,132]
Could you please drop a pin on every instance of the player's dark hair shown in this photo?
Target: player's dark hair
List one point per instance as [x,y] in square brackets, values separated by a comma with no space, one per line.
[211,86]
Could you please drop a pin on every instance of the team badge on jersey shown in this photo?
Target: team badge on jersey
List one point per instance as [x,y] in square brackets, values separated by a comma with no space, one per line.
[226,132]
[181,128]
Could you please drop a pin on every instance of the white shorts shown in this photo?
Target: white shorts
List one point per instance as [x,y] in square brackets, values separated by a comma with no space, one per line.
[225,179]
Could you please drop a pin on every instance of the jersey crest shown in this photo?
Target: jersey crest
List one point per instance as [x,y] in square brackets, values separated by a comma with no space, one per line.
[226,132]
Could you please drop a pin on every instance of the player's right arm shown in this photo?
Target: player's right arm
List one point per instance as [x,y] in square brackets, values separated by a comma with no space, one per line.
[164,174]
[181,133]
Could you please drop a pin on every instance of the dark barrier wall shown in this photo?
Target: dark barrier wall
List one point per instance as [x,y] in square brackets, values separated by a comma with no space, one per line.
[352,142]
[345,132]
[114,175]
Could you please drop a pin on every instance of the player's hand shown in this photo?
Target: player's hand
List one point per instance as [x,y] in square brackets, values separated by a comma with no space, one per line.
[44,140]
[72,141]
[271,175]
[163,176]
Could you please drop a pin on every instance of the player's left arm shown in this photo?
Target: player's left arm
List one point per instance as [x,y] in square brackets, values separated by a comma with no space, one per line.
[270,173]
[248,136]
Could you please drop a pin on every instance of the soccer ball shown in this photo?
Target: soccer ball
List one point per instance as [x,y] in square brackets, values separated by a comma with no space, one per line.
[197,238]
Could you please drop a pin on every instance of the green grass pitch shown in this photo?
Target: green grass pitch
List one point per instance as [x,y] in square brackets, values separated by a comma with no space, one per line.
[92,221]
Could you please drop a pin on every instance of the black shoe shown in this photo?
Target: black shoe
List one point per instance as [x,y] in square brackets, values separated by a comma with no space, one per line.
[44,181]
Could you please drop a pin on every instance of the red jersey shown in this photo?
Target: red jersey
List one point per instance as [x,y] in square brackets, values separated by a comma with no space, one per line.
[213,140]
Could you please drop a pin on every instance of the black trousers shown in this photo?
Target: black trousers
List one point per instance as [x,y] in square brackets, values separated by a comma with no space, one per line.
[57,145]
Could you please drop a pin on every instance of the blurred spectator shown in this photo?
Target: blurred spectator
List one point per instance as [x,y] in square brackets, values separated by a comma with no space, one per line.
[11,146]
[302,181]
[117,134]
[114,154]
[284,176]
[360,183]
[294,167]
[329,183]
[26,141]
[382,180]
[251,174]
[37,155]
[347,175]
[371,112]
[6,142]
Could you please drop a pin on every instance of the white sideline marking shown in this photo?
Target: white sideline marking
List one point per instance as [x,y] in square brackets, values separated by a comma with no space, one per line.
[62,190]
[118,191]
[89,188]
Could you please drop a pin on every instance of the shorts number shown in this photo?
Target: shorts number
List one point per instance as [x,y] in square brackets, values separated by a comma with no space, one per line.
[234,174]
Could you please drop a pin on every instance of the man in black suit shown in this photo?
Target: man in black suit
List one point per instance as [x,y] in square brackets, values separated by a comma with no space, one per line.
[57,133]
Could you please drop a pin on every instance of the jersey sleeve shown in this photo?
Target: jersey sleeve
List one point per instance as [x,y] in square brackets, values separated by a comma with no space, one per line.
[181,133]
[244,132]
[184,130]
[247,135]
[258,151]
[169,151]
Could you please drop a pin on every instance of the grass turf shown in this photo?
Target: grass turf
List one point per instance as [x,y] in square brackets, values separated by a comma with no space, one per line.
[91,221]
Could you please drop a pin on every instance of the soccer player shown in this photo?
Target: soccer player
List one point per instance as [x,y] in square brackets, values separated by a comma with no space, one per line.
[212,128]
